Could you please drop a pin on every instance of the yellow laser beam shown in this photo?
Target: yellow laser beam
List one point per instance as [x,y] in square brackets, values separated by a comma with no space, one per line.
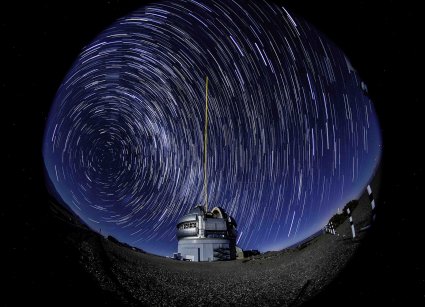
[205,145]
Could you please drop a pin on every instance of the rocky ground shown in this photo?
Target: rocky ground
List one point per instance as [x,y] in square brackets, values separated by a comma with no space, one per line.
[286,278]
[279,278]
[70,265]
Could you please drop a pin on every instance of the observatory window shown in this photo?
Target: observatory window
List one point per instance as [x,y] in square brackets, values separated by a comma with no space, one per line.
[215,235]
[187,225]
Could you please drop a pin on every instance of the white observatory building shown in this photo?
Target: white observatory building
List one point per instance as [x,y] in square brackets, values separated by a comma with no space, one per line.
[207,236]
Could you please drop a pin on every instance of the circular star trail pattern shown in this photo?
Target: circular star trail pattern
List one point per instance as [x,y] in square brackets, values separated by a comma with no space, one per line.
[292,133]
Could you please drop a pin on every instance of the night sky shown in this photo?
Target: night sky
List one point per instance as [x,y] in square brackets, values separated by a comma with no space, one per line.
[40,41]
[292,133]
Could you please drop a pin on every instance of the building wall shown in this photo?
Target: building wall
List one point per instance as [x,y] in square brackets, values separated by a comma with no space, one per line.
[204,249]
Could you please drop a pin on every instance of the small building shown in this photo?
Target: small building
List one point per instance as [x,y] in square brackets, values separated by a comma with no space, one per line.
[239,253]
[207,236]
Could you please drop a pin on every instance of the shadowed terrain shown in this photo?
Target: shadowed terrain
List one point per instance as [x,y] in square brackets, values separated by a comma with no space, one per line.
[288,277]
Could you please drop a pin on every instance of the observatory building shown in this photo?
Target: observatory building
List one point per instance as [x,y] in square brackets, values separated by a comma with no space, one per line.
[207,236]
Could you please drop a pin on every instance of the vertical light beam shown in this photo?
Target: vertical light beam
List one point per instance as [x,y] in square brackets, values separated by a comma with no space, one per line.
[205,145]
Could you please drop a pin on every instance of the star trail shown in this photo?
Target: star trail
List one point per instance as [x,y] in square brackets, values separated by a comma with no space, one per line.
[292,133]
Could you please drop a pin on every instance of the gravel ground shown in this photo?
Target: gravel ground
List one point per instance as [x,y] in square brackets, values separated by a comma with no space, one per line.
[282,278]
[286,278]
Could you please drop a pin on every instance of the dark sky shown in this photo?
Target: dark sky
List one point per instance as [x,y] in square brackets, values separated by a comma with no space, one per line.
[41,40]
[292,133]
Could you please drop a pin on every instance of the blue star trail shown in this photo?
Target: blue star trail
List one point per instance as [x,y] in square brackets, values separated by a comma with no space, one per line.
[292,133]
